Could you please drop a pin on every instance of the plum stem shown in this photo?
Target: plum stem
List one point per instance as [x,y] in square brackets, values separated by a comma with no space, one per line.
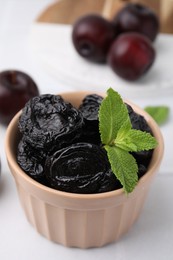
[13,77]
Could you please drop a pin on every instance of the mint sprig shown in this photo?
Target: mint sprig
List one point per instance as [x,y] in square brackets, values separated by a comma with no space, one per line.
[135,141]
[119,139]
[159,113]
[124,166]
[113,114]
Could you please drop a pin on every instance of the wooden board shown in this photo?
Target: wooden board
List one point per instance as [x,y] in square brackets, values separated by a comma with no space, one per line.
[68,11]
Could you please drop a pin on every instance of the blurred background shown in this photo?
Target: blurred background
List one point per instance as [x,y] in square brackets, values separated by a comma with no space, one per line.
[67,11]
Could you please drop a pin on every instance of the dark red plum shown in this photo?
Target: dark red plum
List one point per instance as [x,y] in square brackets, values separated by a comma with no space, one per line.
[135,17]
[131,55]
[92,36]
[16,88]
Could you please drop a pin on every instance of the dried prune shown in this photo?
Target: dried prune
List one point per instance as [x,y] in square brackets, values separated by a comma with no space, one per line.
[109,182]
[138,121]
[89,108]
[143,157]
[61,146]
[31,160]
[48,119]
[141,170]
[79,168]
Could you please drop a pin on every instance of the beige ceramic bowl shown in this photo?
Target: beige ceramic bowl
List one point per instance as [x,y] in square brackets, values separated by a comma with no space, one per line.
[78,220]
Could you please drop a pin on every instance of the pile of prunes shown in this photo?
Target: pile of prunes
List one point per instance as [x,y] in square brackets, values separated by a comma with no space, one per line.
[61,146]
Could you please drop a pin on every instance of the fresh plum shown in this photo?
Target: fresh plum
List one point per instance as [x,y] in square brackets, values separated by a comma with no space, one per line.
[92,36]
[131,55]
[135,17]
[16,88]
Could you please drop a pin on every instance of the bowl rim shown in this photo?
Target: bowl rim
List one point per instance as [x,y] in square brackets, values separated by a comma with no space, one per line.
[158,154]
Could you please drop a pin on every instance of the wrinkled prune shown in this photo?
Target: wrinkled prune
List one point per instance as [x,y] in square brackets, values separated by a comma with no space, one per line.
[31,160]
[79,168]
[48,119]
[138,121]
[89,108]
[141,170]
[109,182]
[61,146]
[143,157]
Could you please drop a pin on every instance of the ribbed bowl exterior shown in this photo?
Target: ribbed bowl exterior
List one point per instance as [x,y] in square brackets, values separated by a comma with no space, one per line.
[82,228]
[80,220]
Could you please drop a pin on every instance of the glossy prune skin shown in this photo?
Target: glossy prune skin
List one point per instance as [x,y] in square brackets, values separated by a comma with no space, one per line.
[70,164]
[47,120]
[142,158]
[90,108]
[79,168]
[141,170]
[31,160]
[138,121]
[109,182]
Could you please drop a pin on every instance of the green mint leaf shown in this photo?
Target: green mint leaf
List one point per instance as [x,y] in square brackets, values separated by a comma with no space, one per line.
[119,139]
[112,115]
[124,167]
[135,140]
[159,113]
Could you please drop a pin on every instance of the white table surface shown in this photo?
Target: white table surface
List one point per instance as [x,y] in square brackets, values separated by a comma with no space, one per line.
[152,235]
